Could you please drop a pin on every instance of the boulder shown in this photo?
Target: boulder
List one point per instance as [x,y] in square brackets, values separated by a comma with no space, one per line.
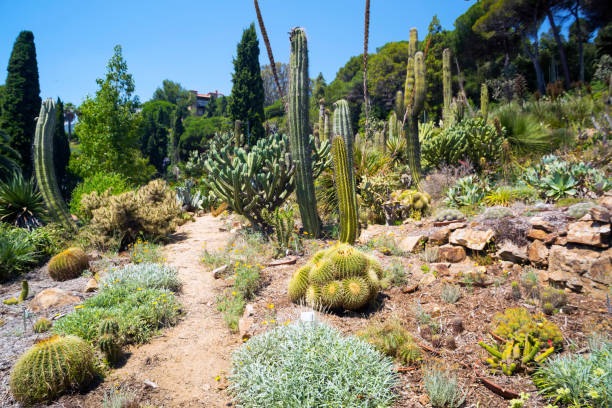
[440,268]
[439,236]
[512,253]
[537,234]
[594,265]
[538,253]
[412,243]
[600,214]
[455,225]
[52,298]
[606,201]
[450,253]
[592,233]
[561,279]
[92,286]
[471,238]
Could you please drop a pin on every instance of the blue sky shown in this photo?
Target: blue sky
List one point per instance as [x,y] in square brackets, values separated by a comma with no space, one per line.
[194,42]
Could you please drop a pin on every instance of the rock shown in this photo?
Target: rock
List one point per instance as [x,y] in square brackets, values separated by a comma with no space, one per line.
[451,253]
[542,224]
[440,269]
[412,242]
[439,236]
[537,234]
[150,384]
[463,269]
[561,279]
[52,298]
[457,325]
[92,286]
[588,263]
[455,225]
[600,214]
[606,201]
[538,253]
[246,326]
[424,399]
[218,272]
[471,238]
[560,241]
[592,233]
[551,238]
[434,311]
[249,310]
[512,253]
[427,279]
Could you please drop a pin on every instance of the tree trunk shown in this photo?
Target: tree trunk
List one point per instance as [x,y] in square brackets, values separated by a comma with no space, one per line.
[536,65]
[580,45]
[566,74]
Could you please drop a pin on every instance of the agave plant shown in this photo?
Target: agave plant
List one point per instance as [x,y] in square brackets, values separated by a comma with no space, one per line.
[187,199]
[466,191]
[21,204]
[560,185]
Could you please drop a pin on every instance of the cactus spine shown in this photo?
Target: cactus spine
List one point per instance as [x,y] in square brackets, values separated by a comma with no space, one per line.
[414,101]
[447,85]
[44,168]
[345,187]
[484,101]
[301,149]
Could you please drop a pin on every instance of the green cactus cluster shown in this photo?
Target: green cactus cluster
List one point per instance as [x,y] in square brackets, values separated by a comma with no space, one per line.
[447,86]
[340,277]
[68,264]
[518,324]
[50,368]
[284,222]
[484,101]
[515,356]
[261,178]
[410,203]
[449,214]
[345,187]
[393,339]
[301,143]
[107,340]
[42,325]
[44,167]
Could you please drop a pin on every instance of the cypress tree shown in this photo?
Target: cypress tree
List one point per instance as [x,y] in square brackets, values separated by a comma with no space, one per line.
[247,102]
[21,100]
[61,150]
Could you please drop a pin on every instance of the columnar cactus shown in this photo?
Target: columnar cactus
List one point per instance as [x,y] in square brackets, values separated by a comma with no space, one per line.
[484,101]
[340,277]
[342,127]
[301,148]
[238,132]
[25,289]
[345,187]
[322,133]
[447,85]
[414,101]
[44,167]
[50,368]
[327,127]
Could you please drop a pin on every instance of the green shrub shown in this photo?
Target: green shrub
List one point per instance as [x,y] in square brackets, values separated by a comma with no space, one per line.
[50,368]
[144,275]
[443,389]
[144,252]
[233,301]
[334,371]
[579,380]
[451,293]
[100,183]
[471,139]
[506,195]
[21,204]
[17,253]
[524,131]
[392,339]
[579,210]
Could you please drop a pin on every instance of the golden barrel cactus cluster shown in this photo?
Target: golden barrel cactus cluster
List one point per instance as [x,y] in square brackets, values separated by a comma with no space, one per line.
[68,264]
[340,277]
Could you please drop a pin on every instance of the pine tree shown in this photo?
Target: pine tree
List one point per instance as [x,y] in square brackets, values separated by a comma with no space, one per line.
[61,150]
[21,101]
[247,102]
[156,124]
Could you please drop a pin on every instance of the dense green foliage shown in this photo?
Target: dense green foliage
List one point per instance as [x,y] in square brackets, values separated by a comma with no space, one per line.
[61,151]
[155,131]
[9,157]
[108,127]
[334,370]
[199,130]
[21,100]
[247,102]
[100,183]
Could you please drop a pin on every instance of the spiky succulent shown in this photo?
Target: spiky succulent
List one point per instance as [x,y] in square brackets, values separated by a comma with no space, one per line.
[42,325]
[336,278]
[68,264]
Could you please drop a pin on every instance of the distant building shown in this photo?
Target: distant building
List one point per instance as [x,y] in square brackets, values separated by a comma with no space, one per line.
[202,100]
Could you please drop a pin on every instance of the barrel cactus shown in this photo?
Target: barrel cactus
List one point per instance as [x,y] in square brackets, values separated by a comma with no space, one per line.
[340,277]
[449,214]
[68,264]
[50,368]
[107,341]
[409,203]
[42,325]
[44,167]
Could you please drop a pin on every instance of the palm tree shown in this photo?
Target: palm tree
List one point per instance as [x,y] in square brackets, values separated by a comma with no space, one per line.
[69,115]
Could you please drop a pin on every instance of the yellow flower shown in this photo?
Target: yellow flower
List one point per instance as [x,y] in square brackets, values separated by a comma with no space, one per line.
[287,322]
[234,293]
[154,303]
[138,288]
[217,378]
[270,306]
[140,260]
[79,307]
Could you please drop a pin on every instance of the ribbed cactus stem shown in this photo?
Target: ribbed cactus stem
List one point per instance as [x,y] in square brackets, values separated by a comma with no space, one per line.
[484,101]
[447,85]
[44,167]
[342,127]
[322,134]
[412,43]
[327,127]
[346,191]
[301,149]
[238,132]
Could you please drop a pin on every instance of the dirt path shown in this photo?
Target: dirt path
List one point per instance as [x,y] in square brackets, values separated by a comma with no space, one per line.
[185,361]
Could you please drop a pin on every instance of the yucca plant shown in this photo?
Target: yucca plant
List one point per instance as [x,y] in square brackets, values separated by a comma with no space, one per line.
[16,255]
[21,204]
[524,131]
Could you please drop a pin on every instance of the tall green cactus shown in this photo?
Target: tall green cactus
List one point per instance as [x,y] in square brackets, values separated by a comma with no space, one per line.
[447,85]
[345,187]
[342,127]
[44,167]
[414,101]
[322,134]
[484,101]
[301,148]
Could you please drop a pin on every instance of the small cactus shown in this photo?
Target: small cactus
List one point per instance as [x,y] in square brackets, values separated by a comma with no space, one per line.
[68,264]
[450,214]
[24,291]
[50,368]
[42,325]
[11,301]
[516,290]
[109,326]
[107,342]
[339,277]
[516,356]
